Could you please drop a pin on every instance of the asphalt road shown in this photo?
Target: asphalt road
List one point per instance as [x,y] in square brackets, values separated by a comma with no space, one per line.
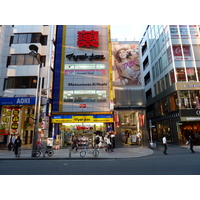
[179,161]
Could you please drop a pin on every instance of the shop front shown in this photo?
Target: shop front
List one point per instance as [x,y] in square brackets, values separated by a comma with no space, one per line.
[129,126]
[84,126]
[17,115]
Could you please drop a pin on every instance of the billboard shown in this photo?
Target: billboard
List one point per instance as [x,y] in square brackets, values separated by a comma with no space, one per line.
[126,64]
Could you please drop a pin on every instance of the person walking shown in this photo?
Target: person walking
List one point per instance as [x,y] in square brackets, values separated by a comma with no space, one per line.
[191,142]
[164,141]
[17,145]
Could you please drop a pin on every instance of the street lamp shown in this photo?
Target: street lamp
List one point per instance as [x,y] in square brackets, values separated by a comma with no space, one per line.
[35,54]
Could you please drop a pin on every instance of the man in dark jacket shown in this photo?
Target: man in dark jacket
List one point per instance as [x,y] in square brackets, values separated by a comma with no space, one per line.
[191,143]
[17,145]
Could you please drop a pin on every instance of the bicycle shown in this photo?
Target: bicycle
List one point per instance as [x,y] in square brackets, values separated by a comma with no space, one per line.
[48,150]
[94,152]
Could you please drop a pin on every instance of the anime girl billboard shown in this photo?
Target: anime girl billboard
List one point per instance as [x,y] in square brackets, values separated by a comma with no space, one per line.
[126,65]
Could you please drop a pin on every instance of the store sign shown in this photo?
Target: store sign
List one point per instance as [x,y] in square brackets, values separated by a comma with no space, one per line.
[88,38]
[17,101]
[81,118]
[82,106]
[87,84]
[85,57]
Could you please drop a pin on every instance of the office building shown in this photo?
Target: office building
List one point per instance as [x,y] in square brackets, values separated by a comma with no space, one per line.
[170,58]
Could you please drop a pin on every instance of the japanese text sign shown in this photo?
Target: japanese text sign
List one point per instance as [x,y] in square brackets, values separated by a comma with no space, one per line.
[88,38]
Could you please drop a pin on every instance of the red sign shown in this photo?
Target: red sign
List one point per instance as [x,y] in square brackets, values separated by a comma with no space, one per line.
[82,106]
[88,38]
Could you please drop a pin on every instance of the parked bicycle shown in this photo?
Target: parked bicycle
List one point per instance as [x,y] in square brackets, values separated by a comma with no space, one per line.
[48,150]
[86,150]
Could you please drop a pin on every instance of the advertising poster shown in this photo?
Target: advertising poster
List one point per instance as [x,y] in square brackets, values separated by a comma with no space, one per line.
[126,67]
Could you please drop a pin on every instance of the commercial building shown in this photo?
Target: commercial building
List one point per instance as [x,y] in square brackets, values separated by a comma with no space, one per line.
[170,57]
[20,75]
[94,93]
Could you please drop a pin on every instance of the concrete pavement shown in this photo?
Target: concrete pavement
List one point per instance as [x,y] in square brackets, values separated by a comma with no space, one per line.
[126,152]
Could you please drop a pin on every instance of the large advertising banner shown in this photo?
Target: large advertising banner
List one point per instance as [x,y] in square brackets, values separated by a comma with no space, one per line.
[126,65]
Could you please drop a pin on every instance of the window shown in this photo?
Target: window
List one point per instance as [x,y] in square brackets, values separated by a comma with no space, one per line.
[20,59]
[30,38]
[21,82]
[85,69]
[180,74]
[172,76]
[191,75]
[167,82]
[198,72]
[173,101]
[85,96]
[189,99]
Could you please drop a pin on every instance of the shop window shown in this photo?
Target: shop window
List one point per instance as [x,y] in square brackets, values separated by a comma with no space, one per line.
[163,106]
[180,74]
[191,75]
[174,102]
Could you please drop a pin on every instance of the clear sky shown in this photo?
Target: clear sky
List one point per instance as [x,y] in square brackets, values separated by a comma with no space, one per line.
[127,32]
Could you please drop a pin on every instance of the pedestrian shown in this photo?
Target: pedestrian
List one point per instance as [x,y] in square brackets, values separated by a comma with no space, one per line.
[13,142]
[17,145]
[164,141]
[10,144]
[101,141]
[112,139]
[75,143]
[191,142]
[97,140]
[109,144]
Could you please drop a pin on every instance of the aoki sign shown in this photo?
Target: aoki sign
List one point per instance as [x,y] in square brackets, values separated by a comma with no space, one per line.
[17,101]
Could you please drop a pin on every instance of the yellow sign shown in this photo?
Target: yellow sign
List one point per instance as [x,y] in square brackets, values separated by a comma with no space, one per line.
[82,119]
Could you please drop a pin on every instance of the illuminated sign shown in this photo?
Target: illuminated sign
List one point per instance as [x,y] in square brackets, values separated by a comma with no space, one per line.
[85,56]
[88,38]
[81,118]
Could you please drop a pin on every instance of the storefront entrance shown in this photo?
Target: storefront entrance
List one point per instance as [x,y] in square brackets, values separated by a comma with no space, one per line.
[189,128]
[85,132]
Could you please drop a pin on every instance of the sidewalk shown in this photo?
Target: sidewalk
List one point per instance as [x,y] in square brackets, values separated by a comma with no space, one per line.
[128,152]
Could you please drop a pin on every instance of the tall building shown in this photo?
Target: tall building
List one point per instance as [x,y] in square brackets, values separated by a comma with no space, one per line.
[170,57]
[82,95]
[26,79]
[96,90]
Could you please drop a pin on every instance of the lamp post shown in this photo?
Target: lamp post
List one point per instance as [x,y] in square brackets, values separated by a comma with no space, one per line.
[33,52]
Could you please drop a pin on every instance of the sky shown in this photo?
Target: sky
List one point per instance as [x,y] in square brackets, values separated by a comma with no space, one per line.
[127,32]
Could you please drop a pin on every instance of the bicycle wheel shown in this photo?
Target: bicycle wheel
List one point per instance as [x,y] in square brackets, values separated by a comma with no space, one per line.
[82,153]
[50,152]
[95,153]
[37,153]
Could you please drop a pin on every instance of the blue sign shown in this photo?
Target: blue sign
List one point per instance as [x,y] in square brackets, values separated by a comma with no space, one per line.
[17,101]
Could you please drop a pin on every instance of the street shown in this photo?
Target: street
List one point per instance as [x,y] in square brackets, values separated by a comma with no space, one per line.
[179,161]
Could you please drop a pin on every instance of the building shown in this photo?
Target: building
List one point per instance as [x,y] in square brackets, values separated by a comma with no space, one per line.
[128,91]
[26,80]
[89,98]
[171,69]
[82,95]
